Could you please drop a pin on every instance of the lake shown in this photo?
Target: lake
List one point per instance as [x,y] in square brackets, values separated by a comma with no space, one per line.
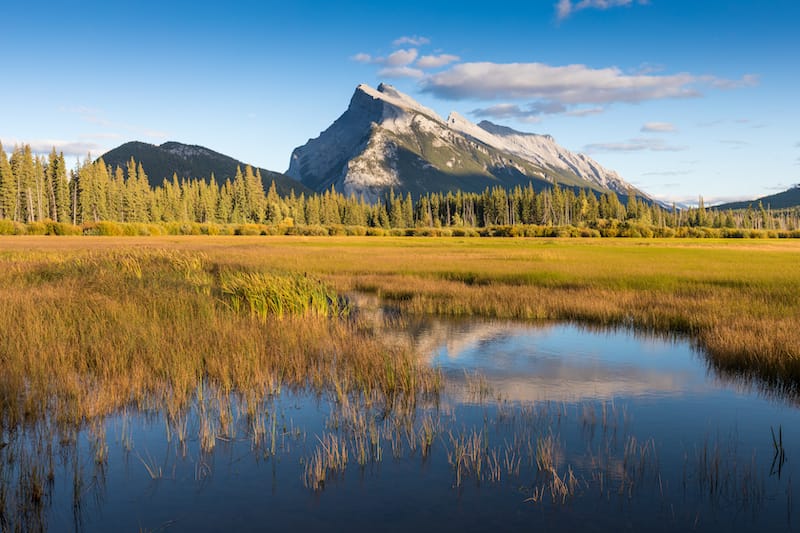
[553,426]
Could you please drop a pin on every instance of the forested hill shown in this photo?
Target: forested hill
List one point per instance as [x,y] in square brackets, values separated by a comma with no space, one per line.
[782,200]
[190,162]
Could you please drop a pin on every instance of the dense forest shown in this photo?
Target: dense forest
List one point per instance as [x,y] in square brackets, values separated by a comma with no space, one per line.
[36,191]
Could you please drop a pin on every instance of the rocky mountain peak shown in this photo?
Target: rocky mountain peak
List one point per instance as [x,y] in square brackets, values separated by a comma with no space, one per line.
[385,139]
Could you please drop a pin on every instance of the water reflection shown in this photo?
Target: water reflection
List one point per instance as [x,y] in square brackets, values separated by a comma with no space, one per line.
[561,362]
[545,426]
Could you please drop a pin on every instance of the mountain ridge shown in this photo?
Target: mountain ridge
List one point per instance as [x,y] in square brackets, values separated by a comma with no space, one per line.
[385,139]
[160,162]
[781,200]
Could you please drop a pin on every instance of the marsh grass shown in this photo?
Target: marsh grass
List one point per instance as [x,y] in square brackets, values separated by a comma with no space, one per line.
[174,325]
[86,335]
[268,295]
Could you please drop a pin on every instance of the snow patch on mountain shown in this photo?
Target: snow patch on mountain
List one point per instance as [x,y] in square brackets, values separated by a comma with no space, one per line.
[359,152]
[543,150]
[396,99]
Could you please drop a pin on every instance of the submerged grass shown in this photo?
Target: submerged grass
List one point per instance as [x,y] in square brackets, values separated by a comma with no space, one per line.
[89,333]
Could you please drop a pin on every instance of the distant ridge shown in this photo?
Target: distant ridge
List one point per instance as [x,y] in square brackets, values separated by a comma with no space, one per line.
[782,200]
[191,161]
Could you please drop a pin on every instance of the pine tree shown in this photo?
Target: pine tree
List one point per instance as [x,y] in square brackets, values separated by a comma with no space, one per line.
[8,188]
[22,168]
[57,187]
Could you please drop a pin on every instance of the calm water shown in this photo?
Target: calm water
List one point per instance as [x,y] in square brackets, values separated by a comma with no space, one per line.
[632,433]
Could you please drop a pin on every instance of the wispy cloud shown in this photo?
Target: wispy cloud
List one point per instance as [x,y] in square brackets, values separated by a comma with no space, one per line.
[634,145]
[585,112]
[778,187]
[734,143]
[361,57]
[667,173]
[401,72]
[101,135]
[748,80]
[658,127]
[395,65]
[412,40]
[566,8]
[121,129]
[436,61]
[45,146]
[531,112]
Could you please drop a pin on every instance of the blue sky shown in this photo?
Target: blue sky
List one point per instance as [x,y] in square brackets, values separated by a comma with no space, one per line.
[682,97]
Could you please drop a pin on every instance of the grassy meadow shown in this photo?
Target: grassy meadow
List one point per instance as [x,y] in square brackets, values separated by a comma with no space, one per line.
[171,307]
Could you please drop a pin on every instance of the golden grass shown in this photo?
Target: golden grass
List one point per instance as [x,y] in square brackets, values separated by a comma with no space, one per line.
[738,300]
[89,332]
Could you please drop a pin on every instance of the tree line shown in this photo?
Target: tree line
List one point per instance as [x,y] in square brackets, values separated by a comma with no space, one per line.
[37,188]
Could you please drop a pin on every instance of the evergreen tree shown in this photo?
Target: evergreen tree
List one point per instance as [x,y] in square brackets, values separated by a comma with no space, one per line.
[57,187]
[8,188]
[22,168]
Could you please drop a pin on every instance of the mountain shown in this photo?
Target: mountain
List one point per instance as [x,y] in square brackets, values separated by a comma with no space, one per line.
[386,139]
[781,200]
[190,161]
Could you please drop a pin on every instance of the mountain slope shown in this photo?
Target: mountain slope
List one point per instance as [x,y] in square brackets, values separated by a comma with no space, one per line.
[386,139]
[190,161]
[781,200]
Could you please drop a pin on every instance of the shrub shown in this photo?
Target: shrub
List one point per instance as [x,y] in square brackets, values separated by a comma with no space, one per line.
[36,228]
[359,231]
[247,229]
[6,227]
[62,228]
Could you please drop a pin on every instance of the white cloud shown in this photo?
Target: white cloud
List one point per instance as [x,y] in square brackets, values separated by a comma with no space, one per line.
[573,90]
[97,117]
[585,112]
[401,72]
[565,8]
[532,112]
[570,84]
[436,61]
[667,173]
[748,80]
[634,145]
[685,200]
[45,146]
[529,113]
[658,127]
[362,58]
[413,40]
[507,111]
[401,58]
[101,135]
[734,143]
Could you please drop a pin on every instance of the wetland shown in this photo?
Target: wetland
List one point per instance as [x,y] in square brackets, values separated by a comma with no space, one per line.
[340,384]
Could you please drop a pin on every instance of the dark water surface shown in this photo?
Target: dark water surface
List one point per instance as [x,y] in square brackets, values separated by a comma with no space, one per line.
[630,433]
